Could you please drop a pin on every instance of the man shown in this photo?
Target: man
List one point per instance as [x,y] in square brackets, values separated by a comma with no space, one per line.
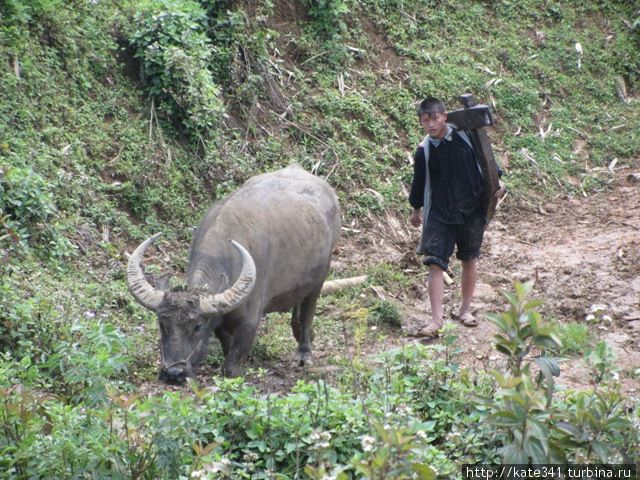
[446,197]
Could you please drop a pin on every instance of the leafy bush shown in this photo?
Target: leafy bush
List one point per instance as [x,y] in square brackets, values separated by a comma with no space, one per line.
[27,212]
[521,331]
[30,326]
[384,312]
[576,338]
[328,16]
[594,426]
[601,359]
[533,425]
[83,367]
[415,414]
[175,52]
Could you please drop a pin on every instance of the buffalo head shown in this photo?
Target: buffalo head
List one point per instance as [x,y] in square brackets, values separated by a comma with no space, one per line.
[187,317]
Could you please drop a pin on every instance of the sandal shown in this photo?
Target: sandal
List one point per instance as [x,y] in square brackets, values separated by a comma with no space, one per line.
[468,320]
[431,330]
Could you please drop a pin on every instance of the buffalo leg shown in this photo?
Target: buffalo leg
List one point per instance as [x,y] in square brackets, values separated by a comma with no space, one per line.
[225,339]
[302,327]
[239,347]
[295,322]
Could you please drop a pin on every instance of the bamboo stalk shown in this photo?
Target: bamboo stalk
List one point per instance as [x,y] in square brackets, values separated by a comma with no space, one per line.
[334,285]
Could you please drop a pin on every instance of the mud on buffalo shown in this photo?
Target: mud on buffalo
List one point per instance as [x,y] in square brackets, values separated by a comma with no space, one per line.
[265,248]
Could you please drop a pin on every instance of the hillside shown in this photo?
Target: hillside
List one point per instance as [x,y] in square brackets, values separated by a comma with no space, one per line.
[122,119]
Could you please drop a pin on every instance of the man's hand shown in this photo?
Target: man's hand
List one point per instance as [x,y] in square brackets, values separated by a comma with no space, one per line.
[416,217]
[501,192]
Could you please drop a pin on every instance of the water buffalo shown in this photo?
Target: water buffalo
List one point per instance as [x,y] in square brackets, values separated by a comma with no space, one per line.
[265,248]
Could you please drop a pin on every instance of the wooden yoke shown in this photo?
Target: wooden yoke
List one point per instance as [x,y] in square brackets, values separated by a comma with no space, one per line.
[474,118]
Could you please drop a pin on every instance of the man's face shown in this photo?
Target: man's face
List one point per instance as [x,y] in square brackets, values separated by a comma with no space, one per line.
[434,124]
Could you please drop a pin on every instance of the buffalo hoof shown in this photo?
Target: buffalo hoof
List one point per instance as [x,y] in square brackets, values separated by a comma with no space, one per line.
[231,371]
[303,359]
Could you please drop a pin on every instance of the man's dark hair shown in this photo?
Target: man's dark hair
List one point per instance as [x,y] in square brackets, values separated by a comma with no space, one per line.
[431,105]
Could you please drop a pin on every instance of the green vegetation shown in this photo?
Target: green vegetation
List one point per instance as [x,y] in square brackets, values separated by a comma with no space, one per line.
[575,337]
[533,427]
[414,412]
[121,119]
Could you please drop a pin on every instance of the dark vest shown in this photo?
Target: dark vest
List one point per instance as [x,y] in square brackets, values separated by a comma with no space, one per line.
[455,180]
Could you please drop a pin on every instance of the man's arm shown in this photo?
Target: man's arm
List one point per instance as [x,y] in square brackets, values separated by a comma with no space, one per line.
[416,196]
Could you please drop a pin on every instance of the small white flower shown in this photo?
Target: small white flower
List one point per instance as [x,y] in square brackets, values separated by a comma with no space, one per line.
[590,318]
[251,457]
[221,466]
[368,443]
[404,409]
[320,440]
[606,318]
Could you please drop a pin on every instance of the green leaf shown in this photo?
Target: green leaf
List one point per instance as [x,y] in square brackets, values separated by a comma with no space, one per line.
[514,455]
[513,382]
[617,424]
[601,450]
[538,431]
[511,298]
[425,472]
[498,376]
[527,287]
[533,304]
[497,320]
[503,349]
[547,341]
[505,418]
[535,449]
[570,429]
[428,426]
[557,453]
[548,365]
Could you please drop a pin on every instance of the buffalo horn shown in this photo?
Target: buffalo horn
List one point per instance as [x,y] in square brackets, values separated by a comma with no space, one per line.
[142,291]
[226,301]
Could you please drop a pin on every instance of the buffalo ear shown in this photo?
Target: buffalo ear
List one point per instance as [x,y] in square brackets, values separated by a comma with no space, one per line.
[163,282]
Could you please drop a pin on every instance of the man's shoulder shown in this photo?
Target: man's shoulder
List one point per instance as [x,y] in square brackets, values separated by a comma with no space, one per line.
[463,133]
[423,142]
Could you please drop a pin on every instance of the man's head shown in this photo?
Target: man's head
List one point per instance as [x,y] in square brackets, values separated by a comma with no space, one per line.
[433,117]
